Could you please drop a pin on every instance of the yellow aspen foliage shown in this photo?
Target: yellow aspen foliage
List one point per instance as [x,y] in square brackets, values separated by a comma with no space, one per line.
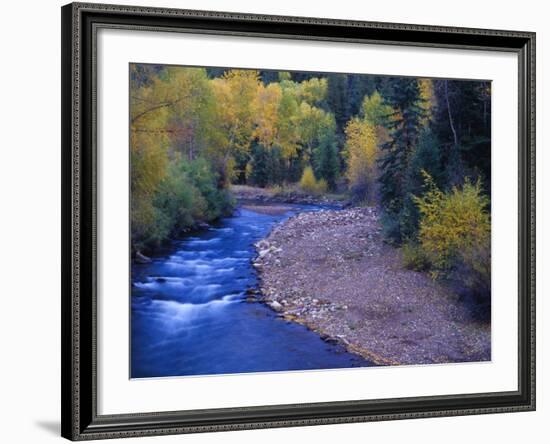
[361,151]
[313,90]
[455,230]
[267,103]
[288,137]
[377,112]
[172,121]
[311,121]
[193,111]
[149,144]
[374,110]
[171,115]
[149,161]
[235,95]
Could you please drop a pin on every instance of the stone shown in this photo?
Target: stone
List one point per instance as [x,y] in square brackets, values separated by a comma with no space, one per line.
[275,305]
[262,245]
[263,253]
[142,259]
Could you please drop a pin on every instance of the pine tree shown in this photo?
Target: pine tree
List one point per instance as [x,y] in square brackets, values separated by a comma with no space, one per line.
[259,166]
[338,102]
[325,157]
[426,158]
[403,125]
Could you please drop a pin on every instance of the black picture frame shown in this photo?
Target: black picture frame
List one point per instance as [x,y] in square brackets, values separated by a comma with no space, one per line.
[80,420]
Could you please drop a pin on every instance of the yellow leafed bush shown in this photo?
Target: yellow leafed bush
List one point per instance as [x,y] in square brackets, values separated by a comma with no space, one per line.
[310,185]
[455,232]
[322,186]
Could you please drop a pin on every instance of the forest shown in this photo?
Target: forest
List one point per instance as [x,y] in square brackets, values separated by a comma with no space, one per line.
[418,149]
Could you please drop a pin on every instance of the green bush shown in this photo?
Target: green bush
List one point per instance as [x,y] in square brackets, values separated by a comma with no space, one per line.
[217,201]
[187,195]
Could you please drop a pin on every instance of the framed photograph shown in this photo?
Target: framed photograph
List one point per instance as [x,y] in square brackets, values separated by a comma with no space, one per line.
[281,221]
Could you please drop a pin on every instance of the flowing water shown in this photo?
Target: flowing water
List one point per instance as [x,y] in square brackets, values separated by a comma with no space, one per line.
[189,314]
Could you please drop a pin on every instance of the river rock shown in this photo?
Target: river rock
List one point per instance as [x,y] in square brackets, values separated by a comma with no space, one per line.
[262,245]
[263,253]
[142,259]
[275,305]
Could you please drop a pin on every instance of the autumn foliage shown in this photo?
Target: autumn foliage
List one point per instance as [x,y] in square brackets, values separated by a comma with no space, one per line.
[233,128]
[309,184]
[418,149]
[455,232]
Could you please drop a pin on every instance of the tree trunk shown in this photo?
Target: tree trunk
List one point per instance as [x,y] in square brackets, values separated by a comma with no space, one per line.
[456,173]
[446,83]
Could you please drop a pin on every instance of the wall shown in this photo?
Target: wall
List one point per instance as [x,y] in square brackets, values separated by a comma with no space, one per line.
[30,233]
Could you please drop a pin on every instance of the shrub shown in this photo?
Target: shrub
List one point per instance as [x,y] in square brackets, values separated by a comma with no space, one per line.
[322,186]
[310,185]
[217,201]
[414,257]
[187,195]
[455,233]
[473,268]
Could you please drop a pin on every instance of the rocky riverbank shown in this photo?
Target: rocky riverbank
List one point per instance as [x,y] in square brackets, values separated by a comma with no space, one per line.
[331,271]
[247,195]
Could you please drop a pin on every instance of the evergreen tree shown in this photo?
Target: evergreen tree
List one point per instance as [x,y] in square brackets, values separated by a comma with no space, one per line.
[259,166]
[268,77]
[359,86]
[325,157]
[266,166]
[215,72]
[337,101]
[426,158]
[403,126]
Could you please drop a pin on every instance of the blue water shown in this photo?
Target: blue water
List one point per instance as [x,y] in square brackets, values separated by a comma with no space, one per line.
[189,315]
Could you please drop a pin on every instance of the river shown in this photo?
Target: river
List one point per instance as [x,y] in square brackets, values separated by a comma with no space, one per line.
[189,314]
